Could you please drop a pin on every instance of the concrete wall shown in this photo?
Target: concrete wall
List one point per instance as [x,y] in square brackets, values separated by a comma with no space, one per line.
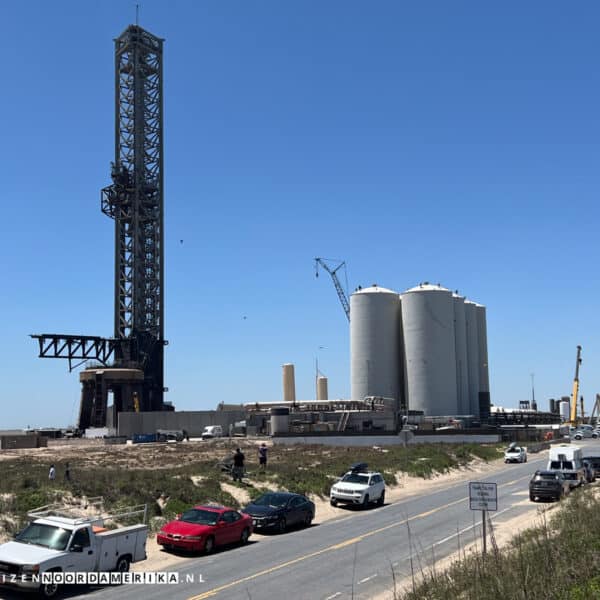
[13,442]
[193,422]
[384,440]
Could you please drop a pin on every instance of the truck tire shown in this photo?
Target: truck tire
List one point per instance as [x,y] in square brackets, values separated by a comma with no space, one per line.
[49,590]
[122,565]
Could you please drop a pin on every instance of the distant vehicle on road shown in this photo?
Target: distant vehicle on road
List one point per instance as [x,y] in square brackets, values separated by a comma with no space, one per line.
[584,431]
[516,454]
[548,485]
[358,486]
[203,528]
[164,435]
[276,511]
[212,431]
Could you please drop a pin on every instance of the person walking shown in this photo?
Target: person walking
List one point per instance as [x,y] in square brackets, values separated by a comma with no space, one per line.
[238,465]
[67,472]
[52,473]
[262,456]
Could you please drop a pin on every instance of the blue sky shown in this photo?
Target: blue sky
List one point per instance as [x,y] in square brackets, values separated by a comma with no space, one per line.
[451,142]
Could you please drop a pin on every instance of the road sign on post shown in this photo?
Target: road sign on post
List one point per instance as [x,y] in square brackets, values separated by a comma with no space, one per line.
[483,497]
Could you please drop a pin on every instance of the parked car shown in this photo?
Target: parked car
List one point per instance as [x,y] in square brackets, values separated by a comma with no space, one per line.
[276,511]
[548,485]
[568,460]
[594,461]
[358,486]
[590,474]
[515,453]
[584,431]
[203,528]
[58,541]
[212,431]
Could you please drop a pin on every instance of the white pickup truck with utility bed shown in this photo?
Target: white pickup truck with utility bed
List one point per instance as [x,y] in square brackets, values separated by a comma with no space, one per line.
[55,543]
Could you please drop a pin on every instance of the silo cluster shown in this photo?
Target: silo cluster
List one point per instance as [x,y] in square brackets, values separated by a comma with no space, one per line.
[426,348]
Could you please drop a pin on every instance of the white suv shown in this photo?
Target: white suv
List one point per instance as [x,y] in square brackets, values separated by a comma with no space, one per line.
[358,486]
[515,453]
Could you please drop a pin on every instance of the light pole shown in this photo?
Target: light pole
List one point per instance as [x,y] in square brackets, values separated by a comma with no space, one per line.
[533,405]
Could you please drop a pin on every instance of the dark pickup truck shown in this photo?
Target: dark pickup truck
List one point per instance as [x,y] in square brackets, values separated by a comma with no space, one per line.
[548,485]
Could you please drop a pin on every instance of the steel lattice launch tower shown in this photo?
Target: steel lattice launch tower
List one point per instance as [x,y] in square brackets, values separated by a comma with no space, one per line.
[135,201]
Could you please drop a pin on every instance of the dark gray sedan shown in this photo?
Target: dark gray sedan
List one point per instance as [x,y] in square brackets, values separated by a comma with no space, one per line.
[276,511]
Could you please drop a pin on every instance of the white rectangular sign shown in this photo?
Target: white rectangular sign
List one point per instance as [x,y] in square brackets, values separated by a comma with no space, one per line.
[483,496]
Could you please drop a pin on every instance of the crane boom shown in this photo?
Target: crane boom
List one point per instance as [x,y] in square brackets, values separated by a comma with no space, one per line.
[336,282]
[575,393]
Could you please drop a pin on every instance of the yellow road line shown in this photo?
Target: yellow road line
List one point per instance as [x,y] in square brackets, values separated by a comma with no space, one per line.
[344,544]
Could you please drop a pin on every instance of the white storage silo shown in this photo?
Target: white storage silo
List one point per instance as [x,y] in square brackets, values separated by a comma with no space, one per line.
[472,356]
[375,368]
[484,378]
[289,383]
[460,345]
[322,388]
[564,407]
[429,348]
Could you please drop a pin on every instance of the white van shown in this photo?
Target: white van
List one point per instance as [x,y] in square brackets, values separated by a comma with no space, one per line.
[569,460]
[212,431]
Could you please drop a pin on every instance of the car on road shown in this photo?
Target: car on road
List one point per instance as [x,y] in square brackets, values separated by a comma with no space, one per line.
[584,431]
[203,528]
[212,431]
[548,485]
[358,486]
[516,454]
[276,511]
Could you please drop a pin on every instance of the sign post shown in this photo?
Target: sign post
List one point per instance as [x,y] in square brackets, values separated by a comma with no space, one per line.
[483,497]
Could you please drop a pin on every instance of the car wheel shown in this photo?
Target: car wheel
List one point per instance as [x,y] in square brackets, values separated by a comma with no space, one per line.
[525,459]
[333,502]
[209,545]
[281,525]
[365,502]
[381,499]
[505,461]
[308,519]
[122,565]
[532,497]
[245,536]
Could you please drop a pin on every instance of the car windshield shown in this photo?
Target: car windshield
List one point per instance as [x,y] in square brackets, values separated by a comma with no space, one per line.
[198,516]
[275,500]
[515,450]
[356,478]
[48,536]
[593,462]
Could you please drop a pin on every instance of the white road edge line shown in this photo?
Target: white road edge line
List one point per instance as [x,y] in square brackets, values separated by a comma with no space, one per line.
[467,528]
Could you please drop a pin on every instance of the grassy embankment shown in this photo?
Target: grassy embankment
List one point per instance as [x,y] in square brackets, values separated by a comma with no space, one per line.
[179,479]
[557,560]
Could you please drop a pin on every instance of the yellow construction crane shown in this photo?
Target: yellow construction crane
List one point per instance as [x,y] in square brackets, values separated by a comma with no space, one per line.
[575,393]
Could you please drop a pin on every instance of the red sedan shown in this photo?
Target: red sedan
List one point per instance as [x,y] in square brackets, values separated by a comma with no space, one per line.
[202,528]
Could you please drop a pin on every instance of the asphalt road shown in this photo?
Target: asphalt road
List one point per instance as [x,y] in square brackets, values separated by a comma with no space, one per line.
[349,557]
